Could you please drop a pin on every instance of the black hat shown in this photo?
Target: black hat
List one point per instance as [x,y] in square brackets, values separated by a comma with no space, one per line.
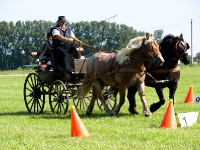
[61,18]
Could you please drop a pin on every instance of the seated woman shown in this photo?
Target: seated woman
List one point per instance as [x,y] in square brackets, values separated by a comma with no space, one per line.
[46,50]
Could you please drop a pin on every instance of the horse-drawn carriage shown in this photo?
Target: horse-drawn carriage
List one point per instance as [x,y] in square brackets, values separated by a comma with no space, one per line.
[46,83]
[101,72]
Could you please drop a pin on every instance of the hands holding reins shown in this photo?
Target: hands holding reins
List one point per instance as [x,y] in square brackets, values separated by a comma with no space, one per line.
[75,40]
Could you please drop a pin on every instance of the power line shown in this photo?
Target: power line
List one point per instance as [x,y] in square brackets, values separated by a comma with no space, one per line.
[165,26]
[111,17]
[196,22]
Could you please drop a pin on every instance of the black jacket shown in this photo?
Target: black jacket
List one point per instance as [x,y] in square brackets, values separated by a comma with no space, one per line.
[46,50]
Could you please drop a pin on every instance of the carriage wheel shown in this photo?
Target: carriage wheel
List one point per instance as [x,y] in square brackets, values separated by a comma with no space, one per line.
[81,104]
[58,99]
[109,97]
[34,94]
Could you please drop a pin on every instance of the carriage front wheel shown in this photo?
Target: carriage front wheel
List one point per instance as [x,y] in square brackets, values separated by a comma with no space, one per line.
[58,99]
[34,94]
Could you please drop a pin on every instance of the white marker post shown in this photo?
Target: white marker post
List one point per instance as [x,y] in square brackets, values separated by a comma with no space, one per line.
[188,119]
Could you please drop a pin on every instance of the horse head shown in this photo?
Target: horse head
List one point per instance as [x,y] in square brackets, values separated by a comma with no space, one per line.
[152,50]
[175,48]
[181,49]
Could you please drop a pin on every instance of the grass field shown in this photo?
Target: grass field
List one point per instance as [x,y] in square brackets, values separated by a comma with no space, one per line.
[21,130]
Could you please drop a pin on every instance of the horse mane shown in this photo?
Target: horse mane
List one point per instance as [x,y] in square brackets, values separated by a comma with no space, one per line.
[167,39]
[133,44]
[170,38]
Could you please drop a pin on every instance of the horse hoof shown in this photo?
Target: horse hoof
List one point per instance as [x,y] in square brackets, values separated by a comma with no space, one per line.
[88,113]
[148,116]
[133,112]
[111,113]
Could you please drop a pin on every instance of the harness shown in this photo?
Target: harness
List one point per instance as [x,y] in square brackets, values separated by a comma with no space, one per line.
[166,70]
[114,68]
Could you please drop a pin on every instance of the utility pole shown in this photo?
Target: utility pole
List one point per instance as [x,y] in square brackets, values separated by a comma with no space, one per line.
[191,44]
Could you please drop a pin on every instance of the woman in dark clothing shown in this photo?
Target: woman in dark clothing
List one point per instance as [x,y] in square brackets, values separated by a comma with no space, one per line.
[64,52]
[47,49]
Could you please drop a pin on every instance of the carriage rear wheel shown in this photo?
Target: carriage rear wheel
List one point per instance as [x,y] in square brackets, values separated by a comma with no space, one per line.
[81,104]
[109,96]
[58,99]
[34,94]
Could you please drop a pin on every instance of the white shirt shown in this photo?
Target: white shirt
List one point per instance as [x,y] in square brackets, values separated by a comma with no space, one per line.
[56,32]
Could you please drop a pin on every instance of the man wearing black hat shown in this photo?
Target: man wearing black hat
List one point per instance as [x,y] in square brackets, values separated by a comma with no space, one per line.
[63,51]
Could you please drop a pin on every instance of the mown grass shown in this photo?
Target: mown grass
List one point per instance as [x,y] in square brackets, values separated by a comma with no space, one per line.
[21,130]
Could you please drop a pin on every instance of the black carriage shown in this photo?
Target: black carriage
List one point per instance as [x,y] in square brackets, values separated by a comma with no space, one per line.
[47,83]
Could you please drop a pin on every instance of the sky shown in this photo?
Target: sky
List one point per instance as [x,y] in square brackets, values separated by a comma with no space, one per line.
[172,16]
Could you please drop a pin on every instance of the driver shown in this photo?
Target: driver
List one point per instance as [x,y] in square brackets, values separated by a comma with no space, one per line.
[64,51]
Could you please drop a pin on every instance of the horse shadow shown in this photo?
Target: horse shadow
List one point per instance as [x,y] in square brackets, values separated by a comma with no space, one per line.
[48,115]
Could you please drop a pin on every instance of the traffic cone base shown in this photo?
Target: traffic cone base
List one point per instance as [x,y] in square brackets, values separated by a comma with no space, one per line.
[77,127]
[169,119]
[190,96]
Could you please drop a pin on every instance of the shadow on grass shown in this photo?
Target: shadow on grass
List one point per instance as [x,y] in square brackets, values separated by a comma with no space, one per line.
[49,115]
[19,113]
[81,115]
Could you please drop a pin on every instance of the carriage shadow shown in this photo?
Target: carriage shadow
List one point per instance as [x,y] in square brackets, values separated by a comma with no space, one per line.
[49,115]
[19,113]
[93,116]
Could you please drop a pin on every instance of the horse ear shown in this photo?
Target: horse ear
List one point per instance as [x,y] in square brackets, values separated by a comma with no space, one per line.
[181,35]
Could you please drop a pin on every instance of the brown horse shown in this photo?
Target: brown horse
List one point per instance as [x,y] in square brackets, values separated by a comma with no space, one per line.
[121,70]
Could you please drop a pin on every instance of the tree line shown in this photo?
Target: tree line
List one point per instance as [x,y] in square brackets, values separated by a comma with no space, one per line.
[18,39]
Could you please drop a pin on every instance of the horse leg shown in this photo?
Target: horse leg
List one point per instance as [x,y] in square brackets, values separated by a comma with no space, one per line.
[122,92]
[156,106]
[172,90]
[92,102]
[141,92]
[132,101]
[98,86]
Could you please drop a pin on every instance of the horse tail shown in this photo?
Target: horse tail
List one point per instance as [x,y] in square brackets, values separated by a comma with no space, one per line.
[84,88]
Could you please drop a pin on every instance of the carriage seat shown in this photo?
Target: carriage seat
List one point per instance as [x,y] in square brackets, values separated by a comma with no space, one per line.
[44,64]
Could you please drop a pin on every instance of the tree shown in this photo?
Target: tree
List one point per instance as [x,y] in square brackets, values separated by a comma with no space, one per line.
[18,40]
[158,35]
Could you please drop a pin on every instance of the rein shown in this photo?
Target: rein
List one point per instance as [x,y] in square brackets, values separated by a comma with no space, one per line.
[109,73]
[123,70]
[93,48]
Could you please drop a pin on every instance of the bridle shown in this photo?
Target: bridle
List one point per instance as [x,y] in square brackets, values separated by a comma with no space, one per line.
[151,52]
[177,48]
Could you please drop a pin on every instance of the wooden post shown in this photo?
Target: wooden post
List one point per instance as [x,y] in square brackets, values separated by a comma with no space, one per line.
[191,44]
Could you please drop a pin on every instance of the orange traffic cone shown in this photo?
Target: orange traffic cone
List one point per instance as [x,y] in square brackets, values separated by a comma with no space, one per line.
[77,127]
[169,120]
[190,96]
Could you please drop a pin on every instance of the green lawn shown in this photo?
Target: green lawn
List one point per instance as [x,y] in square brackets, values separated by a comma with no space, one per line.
[21,130]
